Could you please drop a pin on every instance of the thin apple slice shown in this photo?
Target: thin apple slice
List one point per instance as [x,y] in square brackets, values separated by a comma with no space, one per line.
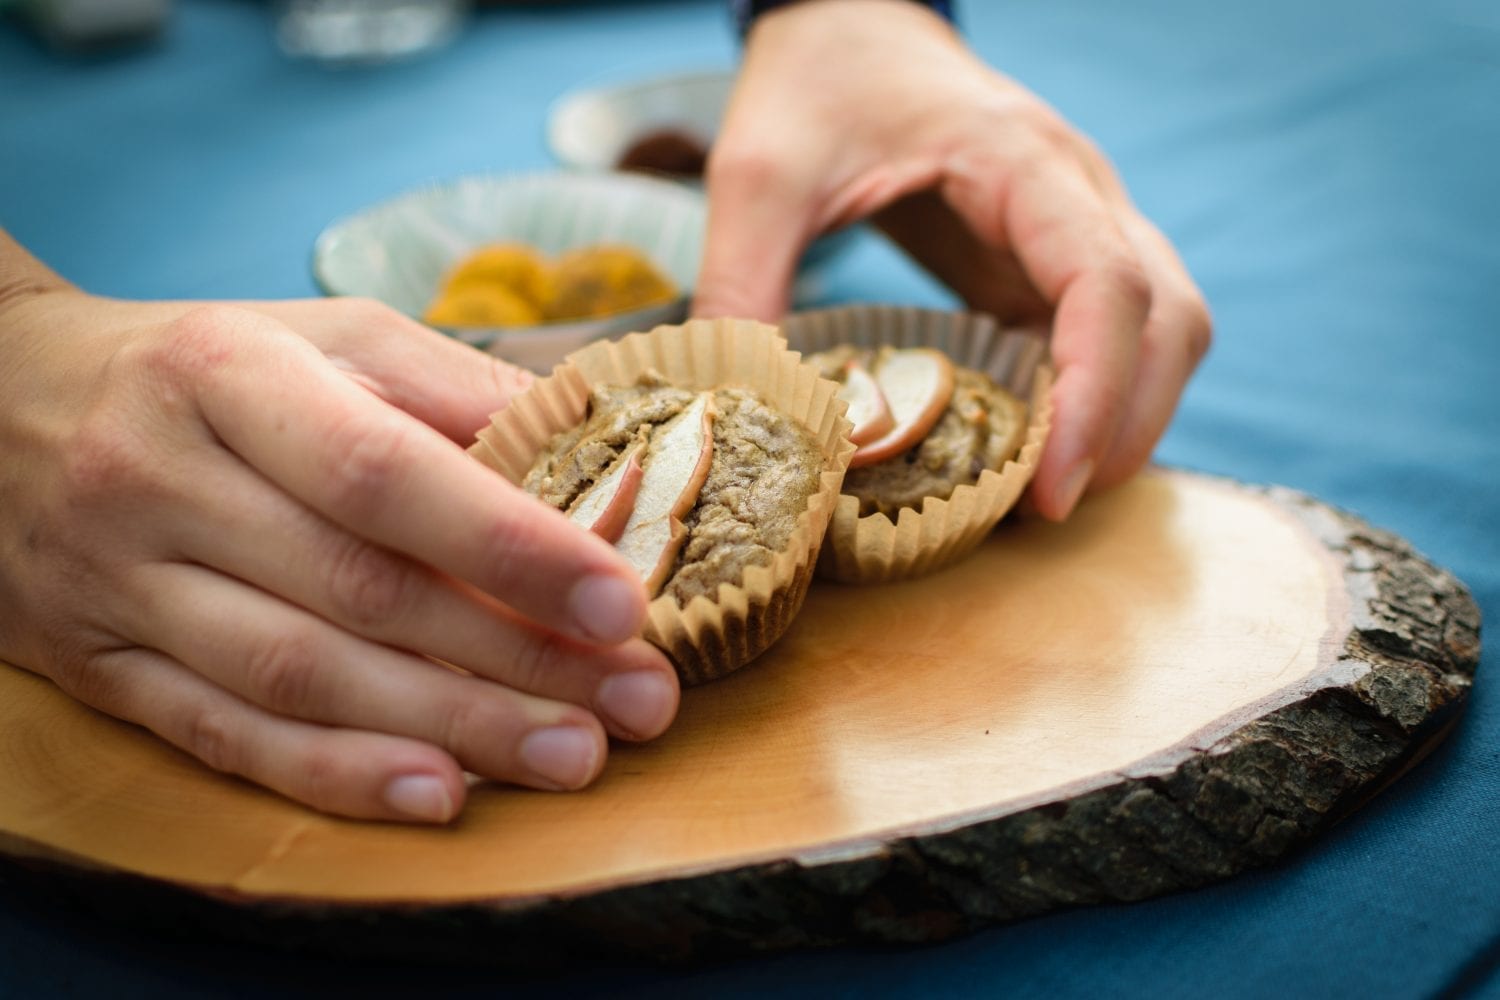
[868,410]
[918,385]
[676,464]
[605,507]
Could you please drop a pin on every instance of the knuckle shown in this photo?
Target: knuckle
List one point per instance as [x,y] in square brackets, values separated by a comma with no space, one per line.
[471,727]
[1112,396]
[1056,138]
[1198,328]
[368,586]
[1181,329]
[746,170]
[1054,133]
[514,552]
[370,313]
[209,736]
[545,655]
[281,671]
[197,343]
[74,671]
[106,459]
[1096,166]
[1125,275]
[723,291]
[322,777]
[365,458]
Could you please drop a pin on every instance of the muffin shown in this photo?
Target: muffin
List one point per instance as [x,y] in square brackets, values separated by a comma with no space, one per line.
[960,424]
[949,415]
[709,455]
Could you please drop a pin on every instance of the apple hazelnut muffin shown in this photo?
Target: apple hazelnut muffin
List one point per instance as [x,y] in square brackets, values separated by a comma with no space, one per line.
[693,487]
[922,425]
[709,455]
[952,412]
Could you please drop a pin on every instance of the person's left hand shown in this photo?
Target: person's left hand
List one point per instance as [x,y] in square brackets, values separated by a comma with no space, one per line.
[252,529]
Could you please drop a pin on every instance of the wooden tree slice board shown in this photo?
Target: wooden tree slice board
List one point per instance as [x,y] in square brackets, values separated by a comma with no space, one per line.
[1187,679]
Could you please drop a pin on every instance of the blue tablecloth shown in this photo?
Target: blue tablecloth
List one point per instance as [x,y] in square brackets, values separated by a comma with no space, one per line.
[1328,171]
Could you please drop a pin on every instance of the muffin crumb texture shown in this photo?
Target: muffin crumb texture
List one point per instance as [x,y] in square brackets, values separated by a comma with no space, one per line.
[981,428]
[765,468]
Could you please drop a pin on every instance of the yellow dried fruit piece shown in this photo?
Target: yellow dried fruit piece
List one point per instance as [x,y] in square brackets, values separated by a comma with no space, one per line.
[599,281]
[512,266]
[511,285]
[481,305]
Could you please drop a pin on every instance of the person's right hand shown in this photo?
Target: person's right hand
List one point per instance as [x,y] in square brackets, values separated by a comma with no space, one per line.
[853,109]
[253,530]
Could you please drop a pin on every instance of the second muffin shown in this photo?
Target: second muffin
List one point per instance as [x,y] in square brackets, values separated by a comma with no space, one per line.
[978,426]
[945,444]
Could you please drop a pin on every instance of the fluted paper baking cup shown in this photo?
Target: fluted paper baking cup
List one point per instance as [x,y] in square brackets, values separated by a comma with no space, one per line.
[710,637]
[876,549]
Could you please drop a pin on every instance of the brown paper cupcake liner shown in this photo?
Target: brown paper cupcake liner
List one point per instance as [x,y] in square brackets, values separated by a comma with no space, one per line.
[875,549]
[710,637]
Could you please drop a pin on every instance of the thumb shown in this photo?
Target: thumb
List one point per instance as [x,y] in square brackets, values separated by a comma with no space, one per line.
[759,220]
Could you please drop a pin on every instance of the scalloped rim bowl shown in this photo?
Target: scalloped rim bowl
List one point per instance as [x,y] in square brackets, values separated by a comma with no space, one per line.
[397,250]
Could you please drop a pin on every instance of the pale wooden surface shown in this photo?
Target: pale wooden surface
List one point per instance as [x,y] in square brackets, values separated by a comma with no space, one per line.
[1162,616]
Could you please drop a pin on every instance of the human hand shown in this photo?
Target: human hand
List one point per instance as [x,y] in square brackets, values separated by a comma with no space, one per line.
[853,109]
[250,540]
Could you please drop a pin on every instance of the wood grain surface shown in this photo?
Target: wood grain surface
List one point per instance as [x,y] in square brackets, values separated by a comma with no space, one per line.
[1179,683]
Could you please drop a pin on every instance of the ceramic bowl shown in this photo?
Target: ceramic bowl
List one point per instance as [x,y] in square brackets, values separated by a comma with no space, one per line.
[593,127]
[398,250]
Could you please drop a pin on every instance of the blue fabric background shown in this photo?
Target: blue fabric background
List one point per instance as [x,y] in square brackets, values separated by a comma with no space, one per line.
[1328,172]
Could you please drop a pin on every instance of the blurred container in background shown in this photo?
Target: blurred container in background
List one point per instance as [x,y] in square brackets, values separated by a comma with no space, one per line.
[87,24]
[366,31]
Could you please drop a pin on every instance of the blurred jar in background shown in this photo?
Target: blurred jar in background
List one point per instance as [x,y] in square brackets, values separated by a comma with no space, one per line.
[90,24]
[366,31]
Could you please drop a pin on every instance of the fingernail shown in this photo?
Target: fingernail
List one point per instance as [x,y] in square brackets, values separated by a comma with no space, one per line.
[518,379]
[1073,485]
[420,796]
[565,756]
[606,609]
[641,702]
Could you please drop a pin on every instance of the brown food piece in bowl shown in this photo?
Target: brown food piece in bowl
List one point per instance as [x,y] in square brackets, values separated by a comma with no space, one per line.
[666,151]
[765,467]
[982,426]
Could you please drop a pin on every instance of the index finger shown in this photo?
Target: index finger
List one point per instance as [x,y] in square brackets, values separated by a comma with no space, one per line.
[1042,208]
[277,403]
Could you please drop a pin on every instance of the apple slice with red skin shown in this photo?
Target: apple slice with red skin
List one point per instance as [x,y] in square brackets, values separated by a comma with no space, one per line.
[868,410]
[918,385]
[605,507]
[675,465]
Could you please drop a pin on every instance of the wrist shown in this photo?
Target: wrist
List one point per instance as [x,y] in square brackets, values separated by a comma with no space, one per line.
[852,44]
[22,278]
[36,318]
[747,12]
